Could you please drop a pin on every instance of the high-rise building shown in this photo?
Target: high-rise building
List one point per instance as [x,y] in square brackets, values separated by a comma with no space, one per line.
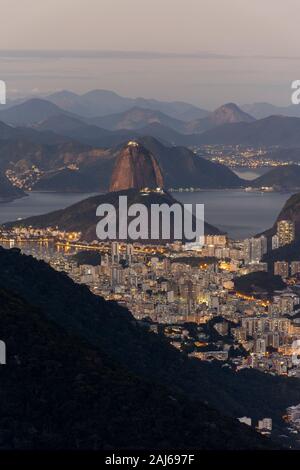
[116,275]
[281,268]
[215,240]
[275,242]
[115,253]
[247,250]
[285,232]
[260,346]
[295,267]
[166,265]
[254,249]
[105,260]
[265,424]
[129,254]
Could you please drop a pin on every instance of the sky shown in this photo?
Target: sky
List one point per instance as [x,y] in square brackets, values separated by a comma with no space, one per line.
[207,52]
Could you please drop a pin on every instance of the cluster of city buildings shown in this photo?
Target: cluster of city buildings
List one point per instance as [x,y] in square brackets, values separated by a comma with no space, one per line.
[31,234]
[292,417]
[264,426]
[188,294]
[27,178]
[170,287]
[236,156]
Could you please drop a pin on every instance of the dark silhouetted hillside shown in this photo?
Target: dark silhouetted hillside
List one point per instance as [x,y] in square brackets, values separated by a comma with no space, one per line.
[281,177]
[182,168]
[112,330]
[8,192]
[273,130]
[61,389]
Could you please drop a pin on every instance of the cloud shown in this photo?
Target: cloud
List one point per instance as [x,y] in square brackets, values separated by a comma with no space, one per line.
[127,55]
[106,54]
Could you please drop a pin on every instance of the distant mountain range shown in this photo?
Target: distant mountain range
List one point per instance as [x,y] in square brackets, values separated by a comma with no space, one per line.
[9,133]
[263,110]
[226,125]
[98,103]
[30,112]
[227,114]
[273,130]
[104,102]
[44,115]
[75,154]
[137,118]
[75,129]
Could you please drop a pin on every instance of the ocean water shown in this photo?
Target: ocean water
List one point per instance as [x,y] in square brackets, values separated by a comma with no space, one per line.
[37,203]
[237,212]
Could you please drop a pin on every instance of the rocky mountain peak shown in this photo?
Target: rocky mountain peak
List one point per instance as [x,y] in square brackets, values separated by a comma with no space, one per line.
[136,168]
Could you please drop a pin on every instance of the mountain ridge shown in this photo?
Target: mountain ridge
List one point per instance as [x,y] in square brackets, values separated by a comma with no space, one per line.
[8,192]
[136,118]
[285,177]
[273,130]
[31,112]
[104,102]
[228,113]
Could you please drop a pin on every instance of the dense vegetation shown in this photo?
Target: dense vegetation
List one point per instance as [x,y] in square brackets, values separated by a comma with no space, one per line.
[258,282]
[93,258]
[288,253]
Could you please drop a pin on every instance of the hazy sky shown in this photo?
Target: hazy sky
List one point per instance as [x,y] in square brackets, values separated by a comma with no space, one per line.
[204,51]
